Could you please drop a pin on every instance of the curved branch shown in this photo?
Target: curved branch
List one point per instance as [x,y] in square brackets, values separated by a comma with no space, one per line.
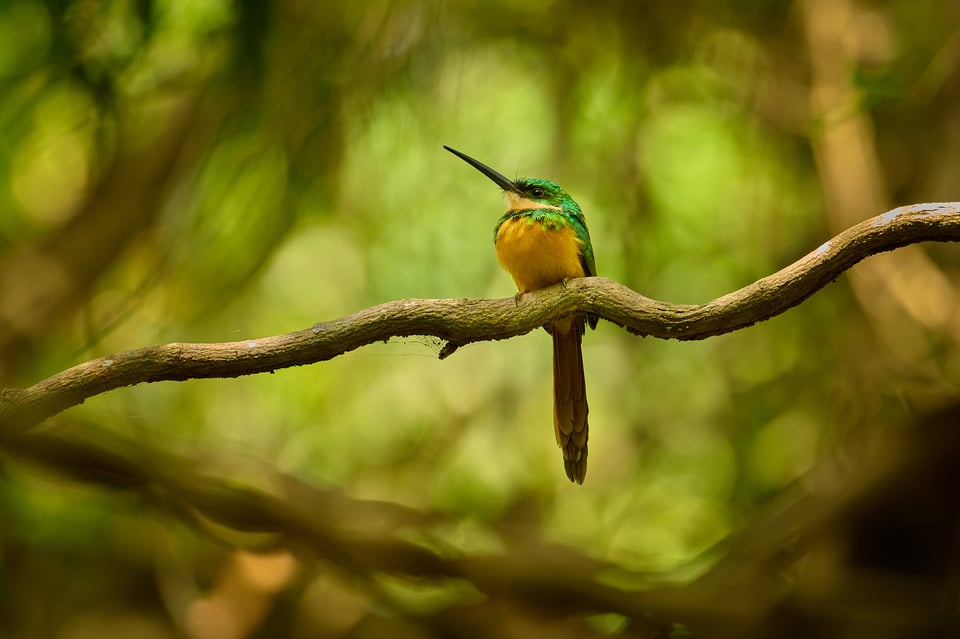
[460,322]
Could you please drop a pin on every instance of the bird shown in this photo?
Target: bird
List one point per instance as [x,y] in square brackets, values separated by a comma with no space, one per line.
[543,240]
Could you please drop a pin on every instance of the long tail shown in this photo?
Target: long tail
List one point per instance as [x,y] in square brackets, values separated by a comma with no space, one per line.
[570,397]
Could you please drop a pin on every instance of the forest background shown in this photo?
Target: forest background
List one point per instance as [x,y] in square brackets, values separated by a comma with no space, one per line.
[215,171]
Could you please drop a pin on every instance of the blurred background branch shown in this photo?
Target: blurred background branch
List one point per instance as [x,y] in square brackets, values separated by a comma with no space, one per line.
[209,171]
[854,534]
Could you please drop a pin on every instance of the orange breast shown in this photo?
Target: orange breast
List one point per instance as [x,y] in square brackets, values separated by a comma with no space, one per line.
[537,257]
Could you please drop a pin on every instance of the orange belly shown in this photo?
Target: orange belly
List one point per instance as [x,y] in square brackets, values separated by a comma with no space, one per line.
[537,256]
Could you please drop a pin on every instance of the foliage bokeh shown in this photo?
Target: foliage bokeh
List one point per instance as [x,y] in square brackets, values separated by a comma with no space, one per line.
[216,171]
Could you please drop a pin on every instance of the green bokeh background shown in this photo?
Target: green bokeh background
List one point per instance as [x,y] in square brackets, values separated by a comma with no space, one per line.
[315,185]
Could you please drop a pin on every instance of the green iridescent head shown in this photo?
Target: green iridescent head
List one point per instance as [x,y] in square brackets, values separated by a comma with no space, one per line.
[524,193]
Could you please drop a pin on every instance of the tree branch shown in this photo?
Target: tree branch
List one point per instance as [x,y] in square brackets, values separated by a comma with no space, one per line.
[464,321]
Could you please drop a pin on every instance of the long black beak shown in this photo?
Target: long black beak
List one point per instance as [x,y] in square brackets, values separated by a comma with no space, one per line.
[498,178]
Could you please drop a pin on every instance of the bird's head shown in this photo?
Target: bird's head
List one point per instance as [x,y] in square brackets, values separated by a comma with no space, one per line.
[523,194]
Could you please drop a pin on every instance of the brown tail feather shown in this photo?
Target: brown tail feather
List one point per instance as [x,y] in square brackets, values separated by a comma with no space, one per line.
[570,397]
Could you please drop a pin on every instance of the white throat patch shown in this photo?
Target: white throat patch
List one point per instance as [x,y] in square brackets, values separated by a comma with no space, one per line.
[516,202]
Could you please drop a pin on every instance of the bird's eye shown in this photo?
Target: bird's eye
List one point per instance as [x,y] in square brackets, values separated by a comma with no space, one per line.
[536,192]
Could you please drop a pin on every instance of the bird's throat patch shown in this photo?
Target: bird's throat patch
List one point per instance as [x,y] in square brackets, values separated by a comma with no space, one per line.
[516,202]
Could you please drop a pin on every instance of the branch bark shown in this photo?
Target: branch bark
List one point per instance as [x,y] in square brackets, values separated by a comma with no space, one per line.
[464,321]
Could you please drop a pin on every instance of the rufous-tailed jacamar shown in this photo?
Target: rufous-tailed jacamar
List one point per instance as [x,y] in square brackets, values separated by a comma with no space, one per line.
[543,240]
